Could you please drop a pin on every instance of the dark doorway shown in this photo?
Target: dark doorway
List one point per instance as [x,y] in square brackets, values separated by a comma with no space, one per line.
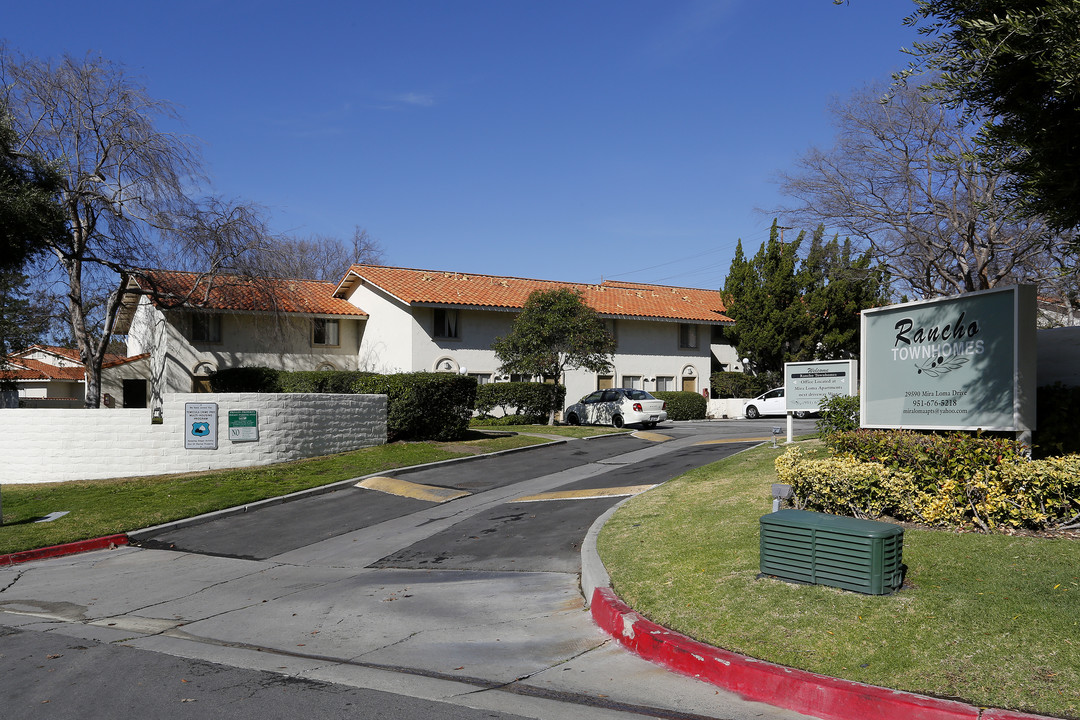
[134,393]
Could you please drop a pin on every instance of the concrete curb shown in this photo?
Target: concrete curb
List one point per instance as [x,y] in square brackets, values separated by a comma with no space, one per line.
[799,690]
[101,543]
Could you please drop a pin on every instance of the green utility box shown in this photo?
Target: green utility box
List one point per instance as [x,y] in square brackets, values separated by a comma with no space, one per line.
[819,549]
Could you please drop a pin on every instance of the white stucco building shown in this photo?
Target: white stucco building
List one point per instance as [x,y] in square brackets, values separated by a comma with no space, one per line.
[447,321]
[390,319]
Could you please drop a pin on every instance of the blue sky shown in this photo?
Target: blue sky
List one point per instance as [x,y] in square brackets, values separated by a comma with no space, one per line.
[617,139]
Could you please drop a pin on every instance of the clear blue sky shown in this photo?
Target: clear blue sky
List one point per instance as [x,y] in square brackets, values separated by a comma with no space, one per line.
[561,140]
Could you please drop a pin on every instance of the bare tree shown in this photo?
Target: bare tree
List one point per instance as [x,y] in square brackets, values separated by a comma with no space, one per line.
[123,190]
[317,257]
[905,177]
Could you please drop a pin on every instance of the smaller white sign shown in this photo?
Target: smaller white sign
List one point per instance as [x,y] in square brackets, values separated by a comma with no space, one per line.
[200,426]
[808,383]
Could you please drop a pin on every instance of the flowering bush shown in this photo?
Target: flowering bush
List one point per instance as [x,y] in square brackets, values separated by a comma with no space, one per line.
[954,480]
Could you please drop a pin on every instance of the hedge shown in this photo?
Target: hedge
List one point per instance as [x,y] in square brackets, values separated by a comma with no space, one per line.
[246,379]
[531,400]
[423,405]
[420,406]
[321,381]
[953,480]
[683,405]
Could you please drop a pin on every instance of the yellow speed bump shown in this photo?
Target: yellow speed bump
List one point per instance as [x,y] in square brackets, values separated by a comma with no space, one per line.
[587,494]
[654,437]
[734,440]
[416,491]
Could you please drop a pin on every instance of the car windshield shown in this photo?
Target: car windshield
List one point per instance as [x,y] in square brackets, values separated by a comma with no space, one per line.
[638,395]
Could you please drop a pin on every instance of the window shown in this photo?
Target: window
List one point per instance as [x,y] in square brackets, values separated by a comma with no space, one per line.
[205,328]
[446,323]
[324,332]
[481,378]
[688,337]
[605,381]
[631,381]
[665,383]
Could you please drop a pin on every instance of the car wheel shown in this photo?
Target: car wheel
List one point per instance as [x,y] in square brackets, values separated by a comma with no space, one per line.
[573,419]
[801,414]
[617,421]
[752,413]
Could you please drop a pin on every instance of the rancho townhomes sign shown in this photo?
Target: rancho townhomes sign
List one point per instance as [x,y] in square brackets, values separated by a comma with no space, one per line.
[965,362]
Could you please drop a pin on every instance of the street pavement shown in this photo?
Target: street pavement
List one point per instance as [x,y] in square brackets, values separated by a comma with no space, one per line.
[398,606]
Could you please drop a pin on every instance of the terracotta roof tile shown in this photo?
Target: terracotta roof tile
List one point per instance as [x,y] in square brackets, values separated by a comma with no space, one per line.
[237,293]
[430,287]
[26,369]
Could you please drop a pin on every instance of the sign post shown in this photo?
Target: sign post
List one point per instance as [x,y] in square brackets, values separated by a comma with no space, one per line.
[965,362]
[806,384]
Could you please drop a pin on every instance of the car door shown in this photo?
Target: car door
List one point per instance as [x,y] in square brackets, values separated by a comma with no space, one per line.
[589,405]
[774,403]
[608,406]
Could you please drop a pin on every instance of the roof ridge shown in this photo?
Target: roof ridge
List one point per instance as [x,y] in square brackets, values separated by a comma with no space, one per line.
[472,274]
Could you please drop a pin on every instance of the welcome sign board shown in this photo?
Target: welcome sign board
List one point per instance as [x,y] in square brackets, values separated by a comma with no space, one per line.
[965,362]
[808,383]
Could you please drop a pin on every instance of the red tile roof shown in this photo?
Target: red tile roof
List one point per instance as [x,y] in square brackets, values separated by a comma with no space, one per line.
[238,293]
[26,369]
[430,287]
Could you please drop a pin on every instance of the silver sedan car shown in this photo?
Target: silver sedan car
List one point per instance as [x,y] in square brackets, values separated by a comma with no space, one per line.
[617,407]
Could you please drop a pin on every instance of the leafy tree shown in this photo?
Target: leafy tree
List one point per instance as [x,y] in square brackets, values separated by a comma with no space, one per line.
[764,299]
[837,286]
[905,178]
[29,217]
[1014,64]
[29,213]
[790,311]
[555,332]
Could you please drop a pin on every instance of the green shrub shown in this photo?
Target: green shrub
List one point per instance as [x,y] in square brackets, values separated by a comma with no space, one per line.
[423,405]
[953,480]
[320,381]
[504,421]
[683,405]
[840,485]
[837,414]
[531,400]
[246,379]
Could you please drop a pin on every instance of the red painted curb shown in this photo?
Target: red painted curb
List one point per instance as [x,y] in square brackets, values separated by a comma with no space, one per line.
[798,690]
[67,549]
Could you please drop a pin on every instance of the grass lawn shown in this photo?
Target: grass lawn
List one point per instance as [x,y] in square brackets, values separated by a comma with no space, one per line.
[106,507]
[990,619]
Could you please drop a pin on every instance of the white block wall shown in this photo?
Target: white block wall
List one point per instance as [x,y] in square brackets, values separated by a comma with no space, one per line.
[64,445]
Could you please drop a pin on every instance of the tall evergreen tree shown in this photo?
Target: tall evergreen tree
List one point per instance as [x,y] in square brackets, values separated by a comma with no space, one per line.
[787,311]
[763,297]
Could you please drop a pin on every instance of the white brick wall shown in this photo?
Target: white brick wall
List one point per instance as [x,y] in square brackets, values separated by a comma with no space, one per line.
[63,445]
